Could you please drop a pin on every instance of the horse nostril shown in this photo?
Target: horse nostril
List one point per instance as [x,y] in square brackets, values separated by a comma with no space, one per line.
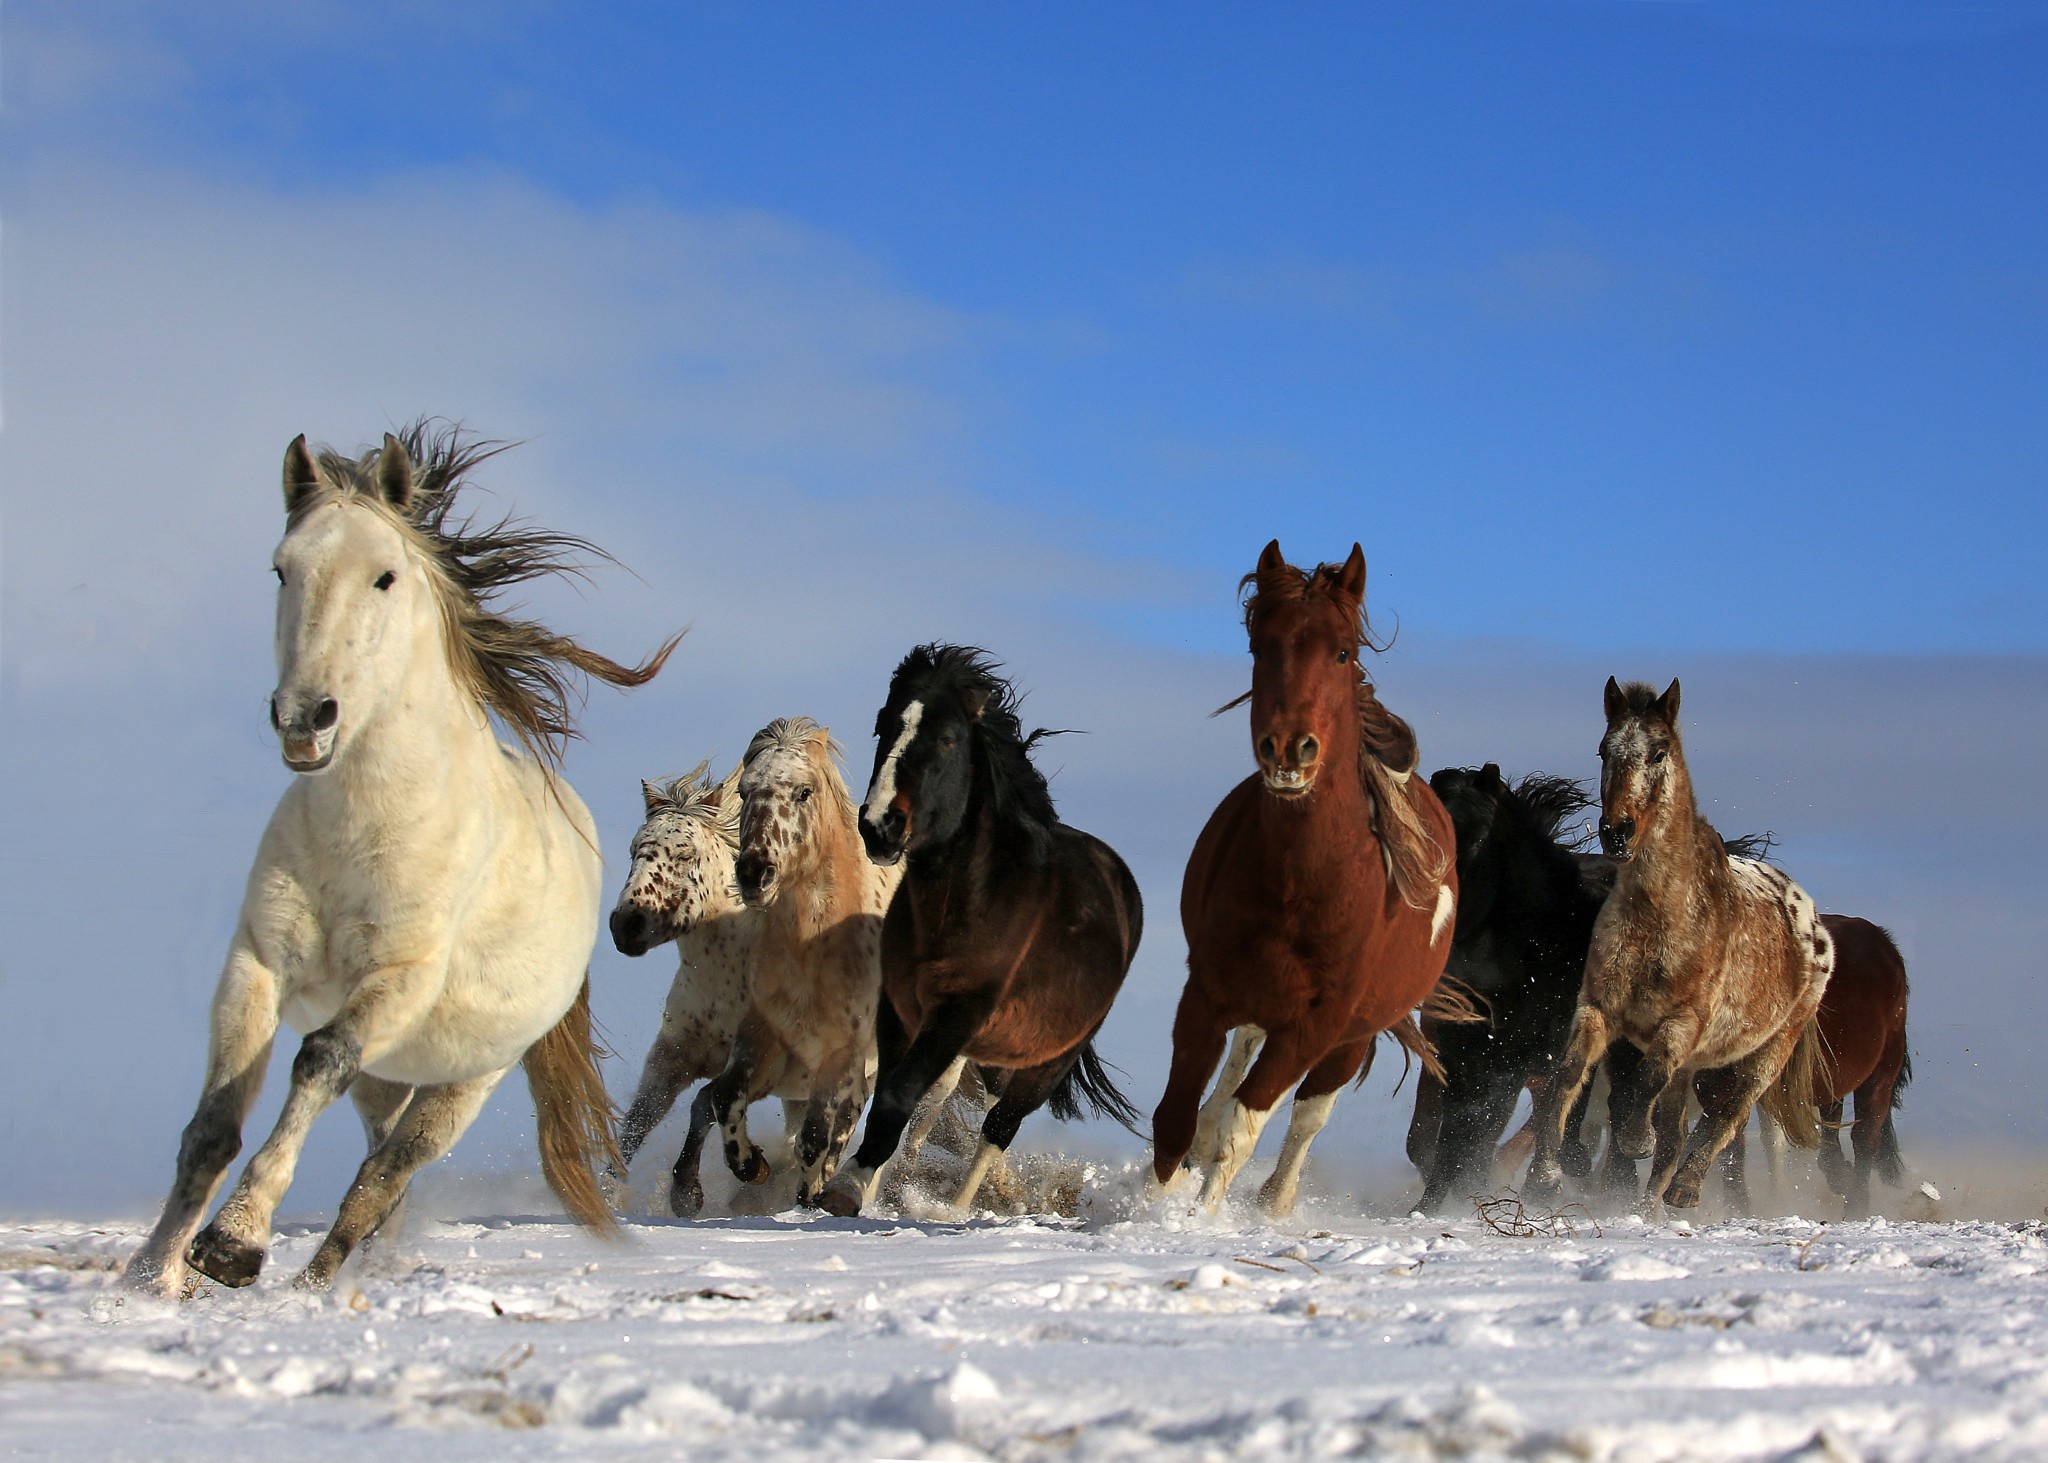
[1267,751]
[625,927]
[276,721]
[1308,750]
[326,714]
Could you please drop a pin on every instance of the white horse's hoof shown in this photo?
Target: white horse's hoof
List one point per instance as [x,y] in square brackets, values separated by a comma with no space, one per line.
[841,1197]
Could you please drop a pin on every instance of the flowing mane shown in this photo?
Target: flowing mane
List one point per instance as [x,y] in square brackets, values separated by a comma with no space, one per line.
[697,795]
[525,674]
[1548,801]
[1387,750]
[801,734]
[966,672]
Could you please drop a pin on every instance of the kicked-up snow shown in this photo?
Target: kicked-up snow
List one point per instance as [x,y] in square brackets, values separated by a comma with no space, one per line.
[1134,1331]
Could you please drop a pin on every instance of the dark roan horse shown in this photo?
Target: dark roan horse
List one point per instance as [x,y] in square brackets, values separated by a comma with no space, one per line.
[1319,900]
[1526,904]
[1011,932]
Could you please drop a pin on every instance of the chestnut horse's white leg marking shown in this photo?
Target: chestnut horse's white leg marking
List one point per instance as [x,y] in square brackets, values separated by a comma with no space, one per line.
[985,1157]
[883,792]
[1304,1121]
[1446,906]
[1244,1046]
[1240,1135]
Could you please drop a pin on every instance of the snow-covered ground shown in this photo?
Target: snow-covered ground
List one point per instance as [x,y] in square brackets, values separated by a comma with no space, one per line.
[1131,1331]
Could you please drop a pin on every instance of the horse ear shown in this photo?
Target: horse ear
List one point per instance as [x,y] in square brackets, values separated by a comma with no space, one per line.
[1489,778]
[301,473]
[649,794]
[1350,581]
[394,474]
[1272,561]
[1617,704]
[1667,704]
[974,701]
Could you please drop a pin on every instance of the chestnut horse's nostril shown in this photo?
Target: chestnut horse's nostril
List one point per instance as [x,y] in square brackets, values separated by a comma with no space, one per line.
[1307,750]
[1267,751]
[326,714]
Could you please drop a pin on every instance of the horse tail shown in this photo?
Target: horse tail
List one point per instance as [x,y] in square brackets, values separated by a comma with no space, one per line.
[1413,1044]
[1789,1099]
[1088,1081]
[576,1115]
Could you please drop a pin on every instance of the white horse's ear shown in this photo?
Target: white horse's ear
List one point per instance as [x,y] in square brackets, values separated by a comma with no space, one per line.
[394,474]
[650,794]
[301,473]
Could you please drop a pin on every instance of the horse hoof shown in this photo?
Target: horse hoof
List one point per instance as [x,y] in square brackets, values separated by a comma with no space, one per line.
[750,1168]
[841,1199]
[223,1258]
[686,1201]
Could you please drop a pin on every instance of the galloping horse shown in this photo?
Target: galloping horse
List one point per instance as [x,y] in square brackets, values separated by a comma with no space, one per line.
[1713,966]
[425,897]
[682,888]
[808,1035]
[1011,934]
[1526,905]
[1319,900]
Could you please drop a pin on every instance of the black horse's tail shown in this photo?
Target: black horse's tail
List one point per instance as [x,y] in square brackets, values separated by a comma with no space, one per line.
[1088,1081]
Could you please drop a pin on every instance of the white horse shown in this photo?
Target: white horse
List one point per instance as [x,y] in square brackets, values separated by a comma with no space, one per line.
[425,897]
[808,1034]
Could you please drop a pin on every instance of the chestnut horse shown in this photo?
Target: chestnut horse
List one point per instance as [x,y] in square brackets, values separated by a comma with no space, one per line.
[1012,931]
[1862,1025]
[1712,966]
[1318,902]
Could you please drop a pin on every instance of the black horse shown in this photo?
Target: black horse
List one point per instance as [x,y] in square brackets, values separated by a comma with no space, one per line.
[1526,905]
[1011,933]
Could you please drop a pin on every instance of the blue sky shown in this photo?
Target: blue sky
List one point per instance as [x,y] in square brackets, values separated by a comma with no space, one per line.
[1616,324]
[1643,338]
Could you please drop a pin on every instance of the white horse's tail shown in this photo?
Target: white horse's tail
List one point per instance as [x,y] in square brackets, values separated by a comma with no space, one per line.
[578,1121]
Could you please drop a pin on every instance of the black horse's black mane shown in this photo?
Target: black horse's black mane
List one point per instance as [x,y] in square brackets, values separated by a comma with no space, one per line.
[1549,801]
[965,672]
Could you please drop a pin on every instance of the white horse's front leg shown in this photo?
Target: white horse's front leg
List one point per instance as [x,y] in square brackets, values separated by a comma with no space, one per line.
[1239,1135]
[1244,1047]
[1277,1196]
[427,1129]
[245,1012]
[378,1014]
[929,1111]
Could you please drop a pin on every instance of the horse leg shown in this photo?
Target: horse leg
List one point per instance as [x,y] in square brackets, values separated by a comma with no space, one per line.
[1663,1057]
[1839,1175]
[1573,1155]
[238,1050]
[1735,1171]
[828,1122]
[686,1181]
[1244,1046]
[379,1104]
[1283,1062]
[1734,1090]
[667,1070]
[759,1062]
[380,1011]
[1197,1046]
[1425,1126]
[1873,1117]
[1586,1045]
[1667,1120]
[928,1113]
[1313,1102]
[1024,1093]
[1476,1108]
[948,1027]
[426,1130]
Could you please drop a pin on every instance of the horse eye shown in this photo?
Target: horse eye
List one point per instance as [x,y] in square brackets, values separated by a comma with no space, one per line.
[803,794]
[387,579]
[1343,657]
[1656,756]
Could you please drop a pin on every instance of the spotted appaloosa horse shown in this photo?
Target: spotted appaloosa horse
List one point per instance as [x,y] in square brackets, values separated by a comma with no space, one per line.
[1012,932]
[1320,899]
[1713,966]
[681,888]
[808,1034]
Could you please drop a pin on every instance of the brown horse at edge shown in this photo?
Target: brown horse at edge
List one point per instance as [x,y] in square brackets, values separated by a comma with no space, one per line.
[1318,902]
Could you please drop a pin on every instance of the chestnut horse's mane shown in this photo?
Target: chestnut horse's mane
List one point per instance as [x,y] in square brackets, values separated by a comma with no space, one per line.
[1387,751]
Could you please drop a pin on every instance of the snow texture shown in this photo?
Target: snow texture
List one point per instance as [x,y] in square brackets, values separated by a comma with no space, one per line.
[1136,1331]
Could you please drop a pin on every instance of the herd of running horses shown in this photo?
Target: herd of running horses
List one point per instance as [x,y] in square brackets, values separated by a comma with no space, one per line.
[945,949]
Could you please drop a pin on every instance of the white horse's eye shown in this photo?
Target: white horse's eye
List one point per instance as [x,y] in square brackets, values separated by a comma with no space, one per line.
[387,579]
[803,794]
